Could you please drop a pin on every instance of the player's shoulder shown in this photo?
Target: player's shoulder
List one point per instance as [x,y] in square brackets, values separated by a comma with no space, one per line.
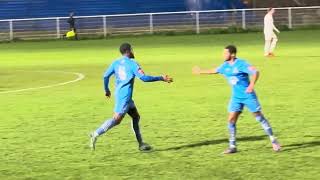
[241,61]
[223,65]
[133,62]
[120,60]
[116,61]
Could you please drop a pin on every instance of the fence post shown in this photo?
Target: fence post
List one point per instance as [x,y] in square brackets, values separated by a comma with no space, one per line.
[244,19]
[151,23]
[197,23]
[10,30]
[104,26]
[58,27]
[289,18]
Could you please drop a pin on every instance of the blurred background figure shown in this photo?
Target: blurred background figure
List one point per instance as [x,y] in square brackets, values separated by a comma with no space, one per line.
[71,21]
[269,35]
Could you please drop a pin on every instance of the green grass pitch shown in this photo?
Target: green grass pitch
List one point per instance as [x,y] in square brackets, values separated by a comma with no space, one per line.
[43,132]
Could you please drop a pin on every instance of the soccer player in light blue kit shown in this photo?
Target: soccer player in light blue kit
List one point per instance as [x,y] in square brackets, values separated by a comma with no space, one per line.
[125,69]
[238,72]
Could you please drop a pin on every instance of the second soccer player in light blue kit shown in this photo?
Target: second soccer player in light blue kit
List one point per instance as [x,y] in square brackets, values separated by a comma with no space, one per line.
[125,69]
[238,72]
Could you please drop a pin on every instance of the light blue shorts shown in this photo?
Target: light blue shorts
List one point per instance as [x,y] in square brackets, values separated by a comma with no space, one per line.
[124,107]
[237,104]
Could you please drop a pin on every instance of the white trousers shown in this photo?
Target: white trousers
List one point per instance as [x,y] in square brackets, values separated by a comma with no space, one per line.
[270,42]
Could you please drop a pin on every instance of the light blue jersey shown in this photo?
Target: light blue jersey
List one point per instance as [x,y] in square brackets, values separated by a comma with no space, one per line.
[125,70]
[237,75]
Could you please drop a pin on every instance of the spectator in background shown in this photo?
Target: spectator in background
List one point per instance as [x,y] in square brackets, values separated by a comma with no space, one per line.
[71,21]
[269,35]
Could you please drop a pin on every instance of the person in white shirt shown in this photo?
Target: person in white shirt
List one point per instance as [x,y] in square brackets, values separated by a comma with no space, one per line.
[269,35]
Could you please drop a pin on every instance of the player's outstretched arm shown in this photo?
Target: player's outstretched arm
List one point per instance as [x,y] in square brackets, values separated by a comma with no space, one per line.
[146,78]
[197,70]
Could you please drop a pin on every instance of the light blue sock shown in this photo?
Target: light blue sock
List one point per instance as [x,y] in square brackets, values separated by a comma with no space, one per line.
[232,131]
[108,124]
[136,129]
[265,125]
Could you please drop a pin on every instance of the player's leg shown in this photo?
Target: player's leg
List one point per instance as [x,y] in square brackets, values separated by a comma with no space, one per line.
[235,109]
[110,123]
[273,43]
[232,126]
[254,106]
[267,129]
[106,126]
[75,33]
[134,114]
[267,44]
[120,111]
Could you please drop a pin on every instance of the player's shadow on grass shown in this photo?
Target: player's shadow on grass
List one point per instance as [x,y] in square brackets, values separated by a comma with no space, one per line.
[211,142]
[295,146]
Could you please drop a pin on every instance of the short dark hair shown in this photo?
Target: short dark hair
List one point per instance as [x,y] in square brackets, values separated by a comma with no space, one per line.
[232,49]
[270,8]
[125,47]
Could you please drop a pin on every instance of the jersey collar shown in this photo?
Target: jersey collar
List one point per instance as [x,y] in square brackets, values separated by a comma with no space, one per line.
[235,61]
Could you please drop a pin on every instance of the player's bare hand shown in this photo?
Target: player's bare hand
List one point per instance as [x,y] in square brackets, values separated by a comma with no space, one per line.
[196,70]
[249,89]
[108,94]
[167,79]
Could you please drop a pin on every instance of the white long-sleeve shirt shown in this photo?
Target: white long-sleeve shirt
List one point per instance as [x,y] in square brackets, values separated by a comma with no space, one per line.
[268,24]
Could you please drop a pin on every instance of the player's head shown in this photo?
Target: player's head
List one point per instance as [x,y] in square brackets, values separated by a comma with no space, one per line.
[71,14]
[230,52]
[271,10]
[126,50]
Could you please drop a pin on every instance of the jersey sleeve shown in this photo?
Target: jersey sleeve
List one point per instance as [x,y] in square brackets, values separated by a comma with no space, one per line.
[220,69]
[108,73]
[247,68]
[138,72]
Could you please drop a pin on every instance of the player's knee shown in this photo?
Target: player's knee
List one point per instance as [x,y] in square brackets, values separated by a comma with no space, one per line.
[118,121]
[118,118]
[259,117]
[137,117]
[232,119]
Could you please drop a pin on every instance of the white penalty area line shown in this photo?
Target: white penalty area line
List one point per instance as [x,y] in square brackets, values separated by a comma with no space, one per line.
[80,76]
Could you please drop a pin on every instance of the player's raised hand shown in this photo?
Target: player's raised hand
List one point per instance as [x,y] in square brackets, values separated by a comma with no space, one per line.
[167,79]
[196,70]
[108,94]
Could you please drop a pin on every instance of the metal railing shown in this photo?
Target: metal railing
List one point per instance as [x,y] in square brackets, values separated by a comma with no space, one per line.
[197,21]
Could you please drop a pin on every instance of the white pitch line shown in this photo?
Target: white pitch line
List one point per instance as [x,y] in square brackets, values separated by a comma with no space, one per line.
[80,76]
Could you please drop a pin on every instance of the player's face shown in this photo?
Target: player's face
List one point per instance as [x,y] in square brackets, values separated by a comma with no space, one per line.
[226,54]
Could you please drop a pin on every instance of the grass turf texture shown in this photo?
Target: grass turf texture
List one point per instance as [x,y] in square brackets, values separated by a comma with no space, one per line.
[44,132]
